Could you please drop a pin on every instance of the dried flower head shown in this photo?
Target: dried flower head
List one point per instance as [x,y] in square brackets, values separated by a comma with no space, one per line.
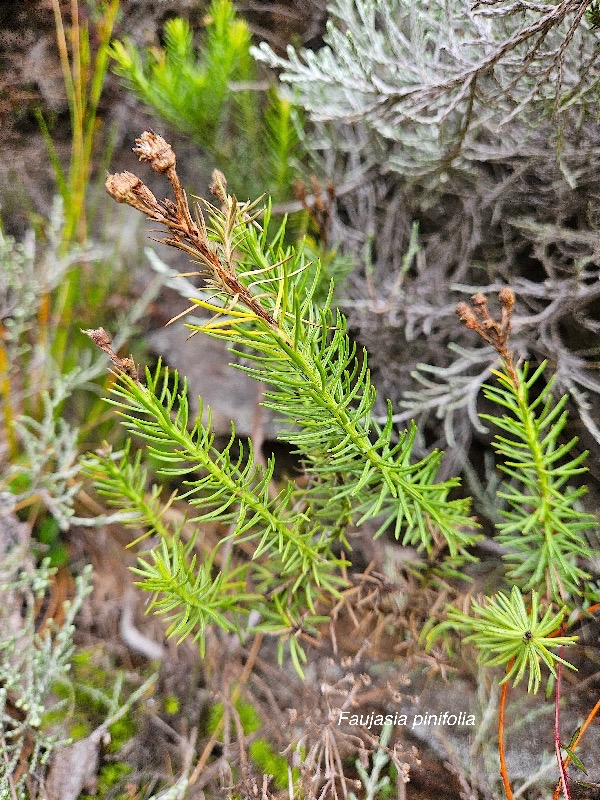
[507,298]
[479,301]
[467,316]
[125,187]
[153,148]
[120,186]
[495,333]
[184,232]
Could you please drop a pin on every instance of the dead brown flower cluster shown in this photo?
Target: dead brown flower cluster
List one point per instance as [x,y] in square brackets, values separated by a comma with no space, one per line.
[188,233]
[494,332]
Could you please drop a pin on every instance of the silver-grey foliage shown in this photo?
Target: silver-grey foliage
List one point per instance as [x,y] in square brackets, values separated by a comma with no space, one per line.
[439,77]
[48,443]
[31,663]
[478,122]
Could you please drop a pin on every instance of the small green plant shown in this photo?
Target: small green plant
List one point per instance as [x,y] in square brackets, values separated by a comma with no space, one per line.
[262,298]
[49,285]
[375,784]
[592,15]
[260,750]
[84,72]
[100,704]
[269,762]
[543,531]
[110,776]
[211,94]
[44,405]
[357,469]
[506,633]
[96,694]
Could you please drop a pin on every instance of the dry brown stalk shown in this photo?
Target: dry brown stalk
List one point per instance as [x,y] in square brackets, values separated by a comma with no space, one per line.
[495,333]
[186,233]
[102,340]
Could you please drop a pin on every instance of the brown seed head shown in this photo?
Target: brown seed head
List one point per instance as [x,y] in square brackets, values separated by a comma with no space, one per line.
[121,185]
[100,338]
[153,148]
[125,187]
[466,316]
[507,298]
[479,299]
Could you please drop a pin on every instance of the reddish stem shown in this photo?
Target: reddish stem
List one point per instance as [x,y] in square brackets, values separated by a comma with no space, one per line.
[590,716]
[578,738]
[503,770]
[557,744]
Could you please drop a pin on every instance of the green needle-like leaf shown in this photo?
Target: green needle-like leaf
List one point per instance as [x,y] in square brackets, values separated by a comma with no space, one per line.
[543,533]
[505,632]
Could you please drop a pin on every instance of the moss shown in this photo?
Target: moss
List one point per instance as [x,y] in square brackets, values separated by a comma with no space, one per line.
[262,754]
[171,704]
[272,763]
[110,776]
[92,697]
[249,718]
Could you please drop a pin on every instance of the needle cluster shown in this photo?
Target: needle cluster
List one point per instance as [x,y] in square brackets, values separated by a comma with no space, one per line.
[543,530]
[262,296]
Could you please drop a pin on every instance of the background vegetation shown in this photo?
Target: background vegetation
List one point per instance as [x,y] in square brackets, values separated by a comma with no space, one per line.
[424,153]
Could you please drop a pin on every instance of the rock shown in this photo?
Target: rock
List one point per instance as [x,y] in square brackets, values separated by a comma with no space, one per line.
[230,394]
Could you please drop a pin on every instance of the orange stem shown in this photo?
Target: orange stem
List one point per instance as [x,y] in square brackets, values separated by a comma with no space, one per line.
[503,770]
[590,716]
[582,730]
